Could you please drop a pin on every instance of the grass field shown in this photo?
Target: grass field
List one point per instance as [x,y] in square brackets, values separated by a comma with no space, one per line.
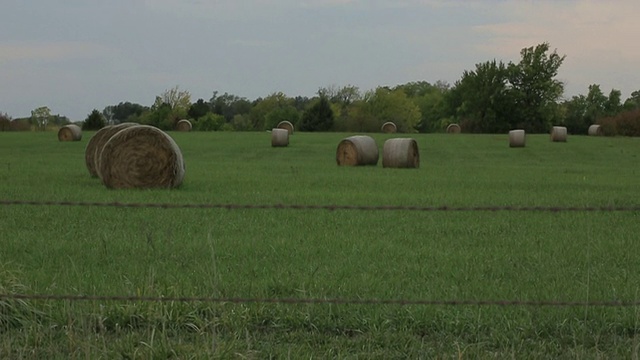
[322,254]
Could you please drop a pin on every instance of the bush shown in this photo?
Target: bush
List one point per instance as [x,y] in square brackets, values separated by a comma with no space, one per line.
[626,124]
[210,122]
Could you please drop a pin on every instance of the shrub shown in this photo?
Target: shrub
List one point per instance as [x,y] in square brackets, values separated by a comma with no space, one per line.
[626,124]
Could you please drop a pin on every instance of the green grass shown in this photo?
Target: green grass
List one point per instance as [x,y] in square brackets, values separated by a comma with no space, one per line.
[254,253]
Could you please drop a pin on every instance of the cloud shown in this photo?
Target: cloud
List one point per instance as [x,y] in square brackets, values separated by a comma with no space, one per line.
[49,51]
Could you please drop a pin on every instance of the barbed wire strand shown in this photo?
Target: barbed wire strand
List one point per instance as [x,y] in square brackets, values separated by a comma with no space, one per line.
[324,207]
[401,302]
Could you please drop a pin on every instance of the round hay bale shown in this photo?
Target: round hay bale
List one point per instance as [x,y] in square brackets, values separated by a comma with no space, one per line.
[400,153]
[517,138]
[95,144]
[141,157]
[559,134]
[71,132]
[595,130]
[286,125]
[279,137]
[184,125]
[389,128]
[454,129]
[357,150]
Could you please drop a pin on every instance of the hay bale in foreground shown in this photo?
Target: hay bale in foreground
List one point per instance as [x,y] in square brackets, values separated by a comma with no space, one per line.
[595,130]
[279,137]
[454,129]
[96,143]
[357,150]
[141,157]
[70,132]
[559,134]
[389,128]
[286,125]
[517,138]
[184,125]
[400,153]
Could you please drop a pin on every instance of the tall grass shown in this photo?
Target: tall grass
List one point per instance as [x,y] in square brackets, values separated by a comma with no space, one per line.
[253,253]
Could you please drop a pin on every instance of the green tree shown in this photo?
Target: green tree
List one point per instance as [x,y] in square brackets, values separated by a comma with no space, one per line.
[198,109]
[431,101]
[229,105]
[535,89]
[262,107]
[633,102]
[480,100]
[40,117]
[286,113]
[5,122]
[123,112]
[94,121]
[319,117]
[393,105]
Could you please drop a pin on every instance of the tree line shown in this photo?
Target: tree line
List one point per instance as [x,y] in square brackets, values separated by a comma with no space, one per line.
[492,98]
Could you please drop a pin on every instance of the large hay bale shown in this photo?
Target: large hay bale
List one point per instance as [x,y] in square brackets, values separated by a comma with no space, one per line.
[71,132]
[357,150]
[595,130]
[279,137]
[454,129]
[400,153]
[559,134]
[517,138]
[96,143]
[184,125]
[286,125]
[389,128]
[141,157]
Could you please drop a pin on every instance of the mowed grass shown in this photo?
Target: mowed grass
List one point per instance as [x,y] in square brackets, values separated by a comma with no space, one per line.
[322,254]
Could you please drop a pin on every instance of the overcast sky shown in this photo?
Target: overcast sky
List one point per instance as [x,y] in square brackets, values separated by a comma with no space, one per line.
[78,55]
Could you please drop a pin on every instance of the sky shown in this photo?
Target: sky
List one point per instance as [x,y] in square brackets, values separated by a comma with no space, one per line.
[78,55]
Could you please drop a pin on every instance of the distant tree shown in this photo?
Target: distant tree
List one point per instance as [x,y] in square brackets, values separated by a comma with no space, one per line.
[229,105]
[5,122]
[286,113]
[534,88]
[241,123]
[262,107]
[582,111]
[430,99]
[633,102]
[480,99]
[123,112]
[94,121]
[319,117]
[179,101]
[40,117]
[198,109]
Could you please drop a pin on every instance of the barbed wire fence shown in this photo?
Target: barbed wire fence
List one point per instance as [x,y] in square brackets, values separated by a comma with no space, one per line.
[335,301]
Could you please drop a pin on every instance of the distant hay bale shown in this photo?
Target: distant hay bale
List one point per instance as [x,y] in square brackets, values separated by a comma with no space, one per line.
[517,138]
[559,134]
[71,132]
[357,150]
[184,125]
[389,127]
[141,157]
[454,129]
[279,137]
[400,153]
[595,130]
[95,144]
[286,125]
